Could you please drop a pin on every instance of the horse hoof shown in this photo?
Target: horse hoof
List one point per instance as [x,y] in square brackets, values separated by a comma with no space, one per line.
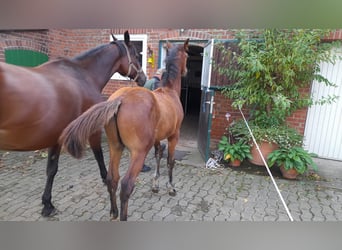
[114,215]
[49,212]
[172,192]
[104,182]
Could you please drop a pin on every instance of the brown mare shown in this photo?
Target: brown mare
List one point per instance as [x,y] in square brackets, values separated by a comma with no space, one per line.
[36,104]
[135,118]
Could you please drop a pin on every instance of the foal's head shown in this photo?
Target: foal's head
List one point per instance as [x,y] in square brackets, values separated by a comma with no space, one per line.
[130,60]
[175,61]
[183,55]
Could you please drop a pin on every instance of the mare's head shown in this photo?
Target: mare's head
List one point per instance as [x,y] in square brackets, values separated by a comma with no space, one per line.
[130,65]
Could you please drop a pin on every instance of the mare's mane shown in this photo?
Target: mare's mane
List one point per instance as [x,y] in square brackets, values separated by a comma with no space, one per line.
[94,51]
[90,52]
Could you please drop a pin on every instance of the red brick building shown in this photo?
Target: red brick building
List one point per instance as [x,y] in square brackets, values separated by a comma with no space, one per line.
[70,42]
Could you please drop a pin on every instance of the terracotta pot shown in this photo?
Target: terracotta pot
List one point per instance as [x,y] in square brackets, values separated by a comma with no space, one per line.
[235,163]
[266,148]
[288,174]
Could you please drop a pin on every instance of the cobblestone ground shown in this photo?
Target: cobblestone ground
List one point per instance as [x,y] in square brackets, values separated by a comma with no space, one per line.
[223,194]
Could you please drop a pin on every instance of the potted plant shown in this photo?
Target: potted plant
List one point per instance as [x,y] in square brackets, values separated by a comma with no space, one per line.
[268,73]
[292,161]
[268,138]
[234,153]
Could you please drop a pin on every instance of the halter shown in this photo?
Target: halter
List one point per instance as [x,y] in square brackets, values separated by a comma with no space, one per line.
[131,65]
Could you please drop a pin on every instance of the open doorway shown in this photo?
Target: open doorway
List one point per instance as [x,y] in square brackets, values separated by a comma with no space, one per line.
[190,92]
[191,96]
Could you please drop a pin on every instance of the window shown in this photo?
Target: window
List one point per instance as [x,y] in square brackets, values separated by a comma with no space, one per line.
[23,57]
[140,43]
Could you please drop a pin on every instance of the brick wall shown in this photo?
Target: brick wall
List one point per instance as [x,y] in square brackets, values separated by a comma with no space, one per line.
[32,40]
[69,43]
[222,106]
[54,43]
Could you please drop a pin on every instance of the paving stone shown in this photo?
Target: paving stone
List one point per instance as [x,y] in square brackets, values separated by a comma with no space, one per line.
[202,194]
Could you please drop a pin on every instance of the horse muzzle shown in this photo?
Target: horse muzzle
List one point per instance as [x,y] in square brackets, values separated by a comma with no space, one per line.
[141,78]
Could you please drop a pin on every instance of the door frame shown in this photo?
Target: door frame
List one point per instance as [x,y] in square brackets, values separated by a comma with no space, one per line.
[207,102]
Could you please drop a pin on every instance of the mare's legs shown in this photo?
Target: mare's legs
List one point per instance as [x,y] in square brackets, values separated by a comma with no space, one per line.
[158,153]
[128,182]
[95,144]
[51,170]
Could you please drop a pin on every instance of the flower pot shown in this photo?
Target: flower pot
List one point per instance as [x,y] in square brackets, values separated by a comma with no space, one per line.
[290,174]
[235,163]
[266,148]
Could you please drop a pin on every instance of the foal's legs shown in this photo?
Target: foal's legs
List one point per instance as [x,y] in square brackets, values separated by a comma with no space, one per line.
[128,182]
[51,170]
[95,144]
[171,162]
[113,176]
[158,153]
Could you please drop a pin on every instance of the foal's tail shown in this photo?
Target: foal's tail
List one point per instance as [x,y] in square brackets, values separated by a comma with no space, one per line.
[75,136]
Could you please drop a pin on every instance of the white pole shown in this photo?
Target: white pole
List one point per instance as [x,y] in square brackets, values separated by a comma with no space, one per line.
[267,168]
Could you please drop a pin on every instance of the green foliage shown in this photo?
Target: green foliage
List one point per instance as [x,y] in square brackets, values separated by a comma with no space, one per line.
[266,73]
[233,151]
[292,158]
[240,131]
[270,69]
[281,135]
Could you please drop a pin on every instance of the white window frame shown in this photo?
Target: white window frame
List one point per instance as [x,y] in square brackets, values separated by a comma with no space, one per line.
[133,37]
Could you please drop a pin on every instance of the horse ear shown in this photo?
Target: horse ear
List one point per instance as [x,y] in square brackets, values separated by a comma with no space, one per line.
[114,38]
[168,45]
[126,35]
[186,44]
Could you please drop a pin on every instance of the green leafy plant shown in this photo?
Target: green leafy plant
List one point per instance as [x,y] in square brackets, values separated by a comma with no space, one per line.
[269,73]
[282,135]
[271,68]
[292,158]
[232,151]
[239,131]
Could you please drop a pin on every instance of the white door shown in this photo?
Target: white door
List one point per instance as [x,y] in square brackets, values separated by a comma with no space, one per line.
[207,64]
[323,129]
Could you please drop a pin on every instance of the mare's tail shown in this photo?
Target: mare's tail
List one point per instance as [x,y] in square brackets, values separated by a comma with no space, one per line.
[75,136]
